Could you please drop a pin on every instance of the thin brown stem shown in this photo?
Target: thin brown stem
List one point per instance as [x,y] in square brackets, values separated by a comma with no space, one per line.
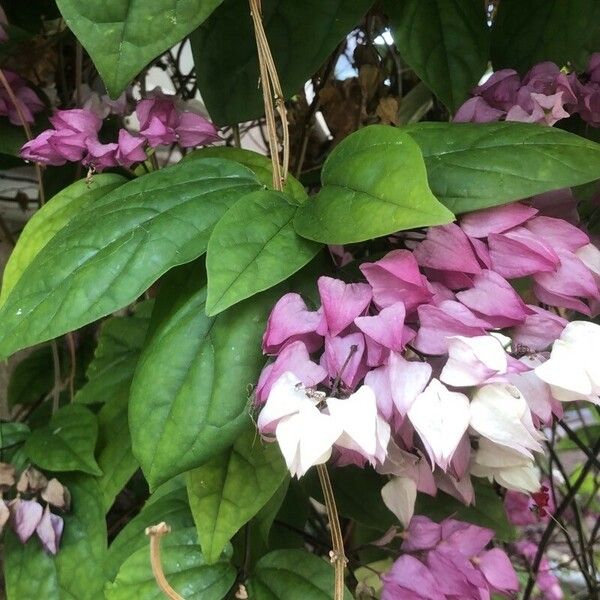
[155,533]
[337,555]
[26,128]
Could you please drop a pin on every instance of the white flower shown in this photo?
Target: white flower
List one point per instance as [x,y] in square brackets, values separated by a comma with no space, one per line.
[500,413]
[507,467]
[399,495]
[440,417]
[573,369]
[473,360]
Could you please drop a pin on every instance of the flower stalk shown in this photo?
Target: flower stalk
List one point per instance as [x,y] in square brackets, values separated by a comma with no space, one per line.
[155,533]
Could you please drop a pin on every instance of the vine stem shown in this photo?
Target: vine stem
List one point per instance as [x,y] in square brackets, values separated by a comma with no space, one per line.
[337,555]
[155,533]
[272,98]
[27,129]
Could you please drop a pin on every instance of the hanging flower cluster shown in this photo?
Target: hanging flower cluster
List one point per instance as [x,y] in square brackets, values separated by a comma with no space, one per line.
[25,513]
[545,95]
[74,136]
[435,369]
[448,560]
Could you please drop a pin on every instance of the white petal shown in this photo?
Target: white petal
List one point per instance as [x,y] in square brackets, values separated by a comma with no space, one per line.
[495,456]
[357,417]
[285,398]
[440,417]
[500,413]
[589,255]
[408,379]
[399,495]
[565,369]
[584,338]
[522,479]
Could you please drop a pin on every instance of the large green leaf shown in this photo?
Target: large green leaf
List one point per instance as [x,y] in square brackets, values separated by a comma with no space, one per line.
[50,219]
[478,165]
[526,33]
[259,164]
[228,490]
[172,508]
[119,345]
[184,567]
[111,253]
[204,366]
[374,183]
[446,42]
[225,50]
[67,443]
[292,575]
[123,36]
[252,248]
[76,572]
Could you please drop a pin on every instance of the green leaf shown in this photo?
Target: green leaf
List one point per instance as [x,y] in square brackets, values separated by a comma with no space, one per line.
[111,253]
[225,50]
[184,567]
[67,443]
[446,42]
[526,33]
[32,378]
[204,366]
[228,490]
[51,218]
[172,508]
[76,572]
[488,510]
[477,165]
[11,435]
[119,346]
[123,36]
[12,138]
[252,248]
[292,575]
[259,164]
[374,183]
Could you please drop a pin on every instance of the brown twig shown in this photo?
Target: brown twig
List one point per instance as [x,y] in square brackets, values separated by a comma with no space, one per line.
[155,533]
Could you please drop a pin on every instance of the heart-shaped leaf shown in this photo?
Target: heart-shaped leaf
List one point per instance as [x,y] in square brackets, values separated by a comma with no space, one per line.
[446,42]
[374,184]
[252,248]
[67,443]
[205,366]
[228,490]
[123,36]
[110,254]
[477,165]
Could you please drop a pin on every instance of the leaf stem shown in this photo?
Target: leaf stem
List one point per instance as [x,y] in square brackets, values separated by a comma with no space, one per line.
[155,533]
[337,555]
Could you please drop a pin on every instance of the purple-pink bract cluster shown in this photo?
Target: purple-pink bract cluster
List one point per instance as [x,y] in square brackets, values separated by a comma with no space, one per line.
[545,94]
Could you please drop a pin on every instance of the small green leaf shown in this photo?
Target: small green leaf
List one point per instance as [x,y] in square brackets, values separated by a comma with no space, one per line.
[67,443]
[259,164]
[374,183]
[11,434]
[183,566]
[123,36]
[292,575]
[228,490]
[477,165]
[204,366]
[107,256]
[252,248]
[446,42]
[76,572]
[119,346]
[52,217]
[224,50]
[172,508]
[526,33]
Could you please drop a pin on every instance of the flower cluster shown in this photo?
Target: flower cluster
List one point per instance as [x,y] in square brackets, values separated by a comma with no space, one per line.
[28,516]
[75,135]
[448,560]
[435,369]
[29,103]
[545,95]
